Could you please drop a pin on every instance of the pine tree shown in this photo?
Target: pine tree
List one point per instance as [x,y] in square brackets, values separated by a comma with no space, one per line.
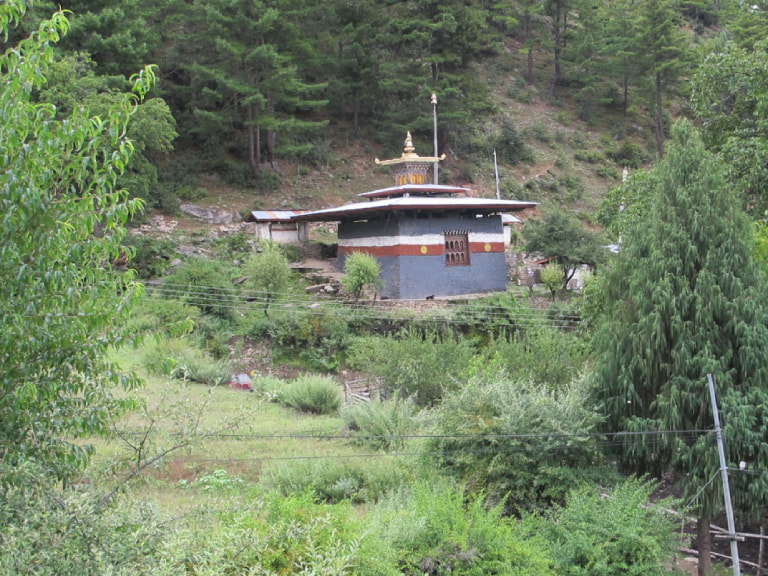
[665,49]
[248,78]
[685,299]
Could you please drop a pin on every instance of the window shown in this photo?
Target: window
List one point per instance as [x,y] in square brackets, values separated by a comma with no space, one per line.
[456,248]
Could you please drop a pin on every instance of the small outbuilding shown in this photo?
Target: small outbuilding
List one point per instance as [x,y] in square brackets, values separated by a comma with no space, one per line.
[278,225]
[430,239]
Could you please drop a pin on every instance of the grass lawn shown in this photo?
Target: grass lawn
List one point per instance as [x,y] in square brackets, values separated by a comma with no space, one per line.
[217,437]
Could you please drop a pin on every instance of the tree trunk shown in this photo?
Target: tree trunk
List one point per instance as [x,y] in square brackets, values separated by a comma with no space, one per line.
[625,105]
[704,541]
[253,143]
[557,33]
[528,35]
[271,135]
[356,114]
[658,126]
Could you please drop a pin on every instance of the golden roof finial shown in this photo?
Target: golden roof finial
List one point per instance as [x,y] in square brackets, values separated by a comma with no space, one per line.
[408,146]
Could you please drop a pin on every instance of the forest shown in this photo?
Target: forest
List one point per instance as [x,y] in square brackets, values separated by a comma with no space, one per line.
[502,435]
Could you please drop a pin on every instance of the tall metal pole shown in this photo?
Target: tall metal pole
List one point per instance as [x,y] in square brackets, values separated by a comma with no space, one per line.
[434,122]
[496,170]
[724,476]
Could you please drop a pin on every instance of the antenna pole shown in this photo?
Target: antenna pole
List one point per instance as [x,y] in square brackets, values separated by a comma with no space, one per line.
[724,476]
[434,122]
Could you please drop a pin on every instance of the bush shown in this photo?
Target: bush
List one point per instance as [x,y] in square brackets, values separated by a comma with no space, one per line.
[434,531]
[151,255]
[361,271]
[508,440]
[180,358]
[314,339]
[205,284]
[283,535]
[312,393]
[628,154]
[49,531]
[423,364]
[545,356]
[332,481]
[595,535]
[381,424]
[510,144]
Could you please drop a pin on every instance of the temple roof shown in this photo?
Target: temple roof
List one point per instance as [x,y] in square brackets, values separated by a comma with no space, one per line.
[409,156]
[416,205]
[415,190]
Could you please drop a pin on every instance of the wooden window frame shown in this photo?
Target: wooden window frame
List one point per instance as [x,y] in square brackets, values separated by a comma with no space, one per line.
[457,251]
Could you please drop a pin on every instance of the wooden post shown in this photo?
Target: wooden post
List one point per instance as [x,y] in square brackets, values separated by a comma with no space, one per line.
[760,552]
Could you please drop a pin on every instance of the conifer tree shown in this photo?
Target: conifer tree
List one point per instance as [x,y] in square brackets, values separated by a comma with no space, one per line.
[248,77]
[664,55]
[684,299]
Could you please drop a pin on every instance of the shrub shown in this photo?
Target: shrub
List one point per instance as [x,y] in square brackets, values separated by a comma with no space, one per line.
[313,339]
[434,531]
[283,535]
[180,358]
[595,535]
[206,284]
[312,393]
[331,481]
[361,271]
[628,154]
[546,356]
[510,144]
[423,364]
[381,424]
[151,256]
[507,439]
[49,531]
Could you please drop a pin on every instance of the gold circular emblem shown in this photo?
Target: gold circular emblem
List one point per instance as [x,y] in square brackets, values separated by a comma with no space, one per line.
[423,249]
[487,247]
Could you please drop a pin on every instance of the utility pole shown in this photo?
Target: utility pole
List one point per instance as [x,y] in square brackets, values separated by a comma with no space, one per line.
[496,170]
[726,487]
[434,122]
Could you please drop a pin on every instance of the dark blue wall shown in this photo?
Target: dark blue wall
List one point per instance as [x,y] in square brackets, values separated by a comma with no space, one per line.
[413,277]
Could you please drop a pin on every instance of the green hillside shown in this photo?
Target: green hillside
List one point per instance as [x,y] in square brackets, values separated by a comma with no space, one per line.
[286,103]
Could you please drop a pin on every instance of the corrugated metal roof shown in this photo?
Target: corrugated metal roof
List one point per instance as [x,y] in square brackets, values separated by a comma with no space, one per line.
[423,189]
[509,219]
[364,210]
[273,215]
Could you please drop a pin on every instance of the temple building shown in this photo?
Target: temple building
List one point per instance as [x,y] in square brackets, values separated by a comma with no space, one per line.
[430,239]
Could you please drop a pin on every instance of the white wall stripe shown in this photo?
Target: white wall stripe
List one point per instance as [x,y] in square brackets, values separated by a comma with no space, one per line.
[421,239]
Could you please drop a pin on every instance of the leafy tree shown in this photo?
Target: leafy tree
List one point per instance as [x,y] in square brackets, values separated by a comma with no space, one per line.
[626,203]
[552,278]
[361,271]
[729,98]
[72,83]
[559,237]
[268,273]
[63,303]
[684,299]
